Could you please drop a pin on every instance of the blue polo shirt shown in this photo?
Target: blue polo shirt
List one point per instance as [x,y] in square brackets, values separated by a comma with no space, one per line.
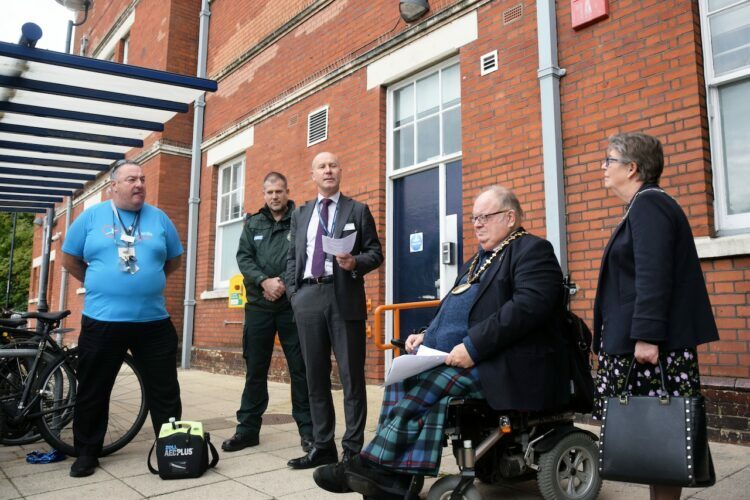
[113,294]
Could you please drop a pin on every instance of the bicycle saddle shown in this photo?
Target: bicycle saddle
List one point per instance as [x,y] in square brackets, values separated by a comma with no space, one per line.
[12,322]
[47,316]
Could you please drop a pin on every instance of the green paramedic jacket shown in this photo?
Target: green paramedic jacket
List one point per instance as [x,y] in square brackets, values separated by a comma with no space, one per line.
[262,254]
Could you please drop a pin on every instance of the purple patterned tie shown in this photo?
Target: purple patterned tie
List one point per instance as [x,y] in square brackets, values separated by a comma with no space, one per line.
[319,256]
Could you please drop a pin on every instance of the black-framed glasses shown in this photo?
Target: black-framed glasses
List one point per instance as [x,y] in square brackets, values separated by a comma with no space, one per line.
[482,218]
[609,160]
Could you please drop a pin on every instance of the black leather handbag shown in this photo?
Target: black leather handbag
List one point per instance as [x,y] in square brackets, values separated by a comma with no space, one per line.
[655,439]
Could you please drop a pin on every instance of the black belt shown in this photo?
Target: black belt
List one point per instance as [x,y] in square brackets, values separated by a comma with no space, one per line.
[323,280]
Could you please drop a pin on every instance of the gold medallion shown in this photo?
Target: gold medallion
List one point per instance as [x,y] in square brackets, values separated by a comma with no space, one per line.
[458,290]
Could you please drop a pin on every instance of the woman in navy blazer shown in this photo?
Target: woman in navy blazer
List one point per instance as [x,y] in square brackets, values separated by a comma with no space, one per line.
[651,300]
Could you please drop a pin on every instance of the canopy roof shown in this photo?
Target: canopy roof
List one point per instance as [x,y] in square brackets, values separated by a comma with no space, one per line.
[65,118]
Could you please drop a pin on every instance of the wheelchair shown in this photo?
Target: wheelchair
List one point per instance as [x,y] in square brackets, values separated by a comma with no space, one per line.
[502,448]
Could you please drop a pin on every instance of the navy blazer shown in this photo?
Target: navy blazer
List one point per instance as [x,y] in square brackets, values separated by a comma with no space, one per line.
[349,286]
[514,324]
[651,286]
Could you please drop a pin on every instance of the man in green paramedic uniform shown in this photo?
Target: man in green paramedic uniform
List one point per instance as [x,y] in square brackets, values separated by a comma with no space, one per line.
[262,256]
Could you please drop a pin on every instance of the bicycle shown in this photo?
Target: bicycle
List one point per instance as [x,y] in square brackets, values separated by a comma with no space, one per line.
[39,385]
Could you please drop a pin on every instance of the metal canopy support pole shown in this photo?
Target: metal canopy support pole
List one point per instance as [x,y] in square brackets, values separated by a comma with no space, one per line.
[188,322]
[65,273]
[549,75]
[44,269]
[10,261]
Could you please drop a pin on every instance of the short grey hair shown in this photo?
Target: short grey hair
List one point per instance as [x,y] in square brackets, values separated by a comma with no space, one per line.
[642,149]
[507,199]
[118,164]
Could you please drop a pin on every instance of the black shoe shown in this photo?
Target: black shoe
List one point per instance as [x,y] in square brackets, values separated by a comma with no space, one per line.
[306,443]
[373,481]
[84,466]
[331,478]
[314,458]
[239,442]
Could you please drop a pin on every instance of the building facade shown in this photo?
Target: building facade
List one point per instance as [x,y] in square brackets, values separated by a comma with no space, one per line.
[423,115]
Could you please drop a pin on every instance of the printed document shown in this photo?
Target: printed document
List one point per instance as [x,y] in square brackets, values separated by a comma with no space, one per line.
[339,246]
[408,365]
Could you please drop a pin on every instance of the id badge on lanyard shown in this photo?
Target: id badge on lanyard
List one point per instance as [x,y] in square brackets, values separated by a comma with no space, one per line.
[126,254]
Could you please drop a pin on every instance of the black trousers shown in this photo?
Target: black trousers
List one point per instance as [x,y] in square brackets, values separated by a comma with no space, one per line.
[322,330]
[102,346]
[257,348]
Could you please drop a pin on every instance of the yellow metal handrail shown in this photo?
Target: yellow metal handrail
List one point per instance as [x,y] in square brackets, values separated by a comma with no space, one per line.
[377,337]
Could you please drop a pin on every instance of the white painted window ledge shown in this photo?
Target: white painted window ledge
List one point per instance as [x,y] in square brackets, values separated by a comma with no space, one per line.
[215,294]
[723,246]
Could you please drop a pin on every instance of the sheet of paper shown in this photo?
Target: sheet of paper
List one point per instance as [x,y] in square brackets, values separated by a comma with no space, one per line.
[409,365]
[339,246]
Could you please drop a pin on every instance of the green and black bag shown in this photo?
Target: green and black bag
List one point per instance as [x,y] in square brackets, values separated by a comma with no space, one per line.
[182,450]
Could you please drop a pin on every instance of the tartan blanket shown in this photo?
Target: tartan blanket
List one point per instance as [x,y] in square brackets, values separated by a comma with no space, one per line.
[409,436]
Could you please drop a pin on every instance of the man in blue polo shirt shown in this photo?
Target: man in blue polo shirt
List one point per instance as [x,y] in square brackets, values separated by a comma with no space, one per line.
[122,250]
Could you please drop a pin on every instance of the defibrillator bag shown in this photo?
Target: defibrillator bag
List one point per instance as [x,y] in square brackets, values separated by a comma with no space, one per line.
[182,450]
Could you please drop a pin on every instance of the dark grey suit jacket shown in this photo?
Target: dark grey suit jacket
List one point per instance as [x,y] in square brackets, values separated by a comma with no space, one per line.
[349,286]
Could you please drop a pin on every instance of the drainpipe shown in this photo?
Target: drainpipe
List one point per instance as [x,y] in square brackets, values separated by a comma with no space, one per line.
[549,75]
[194,199]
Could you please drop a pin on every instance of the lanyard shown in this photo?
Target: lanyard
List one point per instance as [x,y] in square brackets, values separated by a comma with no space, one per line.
[320,218]
[128,230]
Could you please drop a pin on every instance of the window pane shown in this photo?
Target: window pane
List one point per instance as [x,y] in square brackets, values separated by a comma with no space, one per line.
[718,4]
[236,175]
[730,39]
[428,139]
[403,102]
[403,147]
[226,177]
[230,240]
[735,108]
[236,207]
[452,131]
[224,210]
[428,100]
[451,86]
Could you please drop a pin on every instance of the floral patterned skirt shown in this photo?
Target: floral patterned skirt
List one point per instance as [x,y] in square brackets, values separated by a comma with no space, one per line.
[680,369]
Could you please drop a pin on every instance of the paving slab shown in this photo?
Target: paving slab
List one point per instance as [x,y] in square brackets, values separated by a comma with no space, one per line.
[260,472]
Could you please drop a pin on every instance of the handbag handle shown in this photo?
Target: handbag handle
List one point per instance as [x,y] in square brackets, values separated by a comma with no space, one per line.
[664,398]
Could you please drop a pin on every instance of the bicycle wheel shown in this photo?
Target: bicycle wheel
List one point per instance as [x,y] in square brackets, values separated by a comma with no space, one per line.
[14,373]
[127,407]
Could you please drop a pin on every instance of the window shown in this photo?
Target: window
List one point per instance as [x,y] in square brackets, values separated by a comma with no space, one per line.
[229,221]
[726,41]
[425,118]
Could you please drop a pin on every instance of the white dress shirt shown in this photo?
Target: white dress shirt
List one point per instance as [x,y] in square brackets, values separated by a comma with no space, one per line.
[312,230]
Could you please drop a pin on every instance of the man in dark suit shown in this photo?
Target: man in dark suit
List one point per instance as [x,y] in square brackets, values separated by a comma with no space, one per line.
[328,298]
[501,327]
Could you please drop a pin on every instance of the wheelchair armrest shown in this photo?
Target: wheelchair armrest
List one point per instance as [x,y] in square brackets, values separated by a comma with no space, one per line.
[399,343]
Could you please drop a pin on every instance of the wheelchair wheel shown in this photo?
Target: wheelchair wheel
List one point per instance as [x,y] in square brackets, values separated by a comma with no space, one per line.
[444,487]
[569,470]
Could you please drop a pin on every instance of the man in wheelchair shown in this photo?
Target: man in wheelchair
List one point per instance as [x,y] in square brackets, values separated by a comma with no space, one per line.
[501,327]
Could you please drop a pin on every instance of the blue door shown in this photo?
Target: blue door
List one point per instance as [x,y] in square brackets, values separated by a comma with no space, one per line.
[426,218]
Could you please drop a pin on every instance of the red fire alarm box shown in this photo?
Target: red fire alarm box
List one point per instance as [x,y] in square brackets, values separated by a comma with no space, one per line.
[586,12]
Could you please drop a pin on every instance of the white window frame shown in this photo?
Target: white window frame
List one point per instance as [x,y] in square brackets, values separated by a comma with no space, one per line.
[725,223]
[441,158]
[125,48]
[220,284]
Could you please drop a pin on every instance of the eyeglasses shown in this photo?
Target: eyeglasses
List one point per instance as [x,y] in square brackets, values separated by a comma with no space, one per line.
[482,219]
[609,160]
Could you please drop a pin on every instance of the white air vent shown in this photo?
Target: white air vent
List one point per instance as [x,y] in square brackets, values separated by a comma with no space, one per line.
[317,126]
[488,63]
[513,14]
